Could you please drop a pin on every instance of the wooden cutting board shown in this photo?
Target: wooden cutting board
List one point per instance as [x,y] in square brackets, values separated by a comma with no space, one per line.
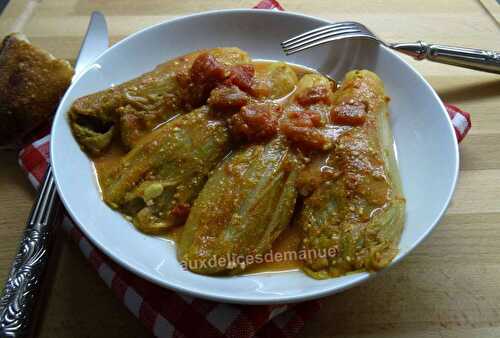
[448,287]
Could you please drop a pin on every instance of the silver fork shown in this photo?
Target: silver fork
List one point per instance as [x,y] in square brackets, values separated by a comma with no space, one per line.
[478,59]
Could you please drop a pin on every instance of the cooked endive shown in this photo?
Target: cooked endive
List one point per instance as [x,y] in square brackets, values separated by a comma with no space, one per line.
[222,154]
[135,107]
[274,80]
[157,180]
[244,206]
[354,218]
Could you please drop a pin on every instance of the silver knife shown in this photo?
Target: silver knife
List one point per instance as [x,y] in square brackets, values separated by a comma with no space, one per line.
[22,288]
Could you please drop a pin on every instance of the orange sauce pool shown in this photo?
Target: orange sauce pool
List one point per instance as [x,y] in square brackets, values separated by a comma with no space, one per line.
[288,241]
[104,163]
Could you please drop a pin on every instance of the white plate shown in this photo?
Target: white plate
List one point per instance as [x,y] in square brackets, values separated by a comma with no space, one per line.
[426,146]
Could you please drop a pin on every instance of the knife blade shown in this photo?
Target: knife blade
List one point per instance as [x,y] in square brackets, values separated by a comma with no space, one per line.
[22,288]
[94,43]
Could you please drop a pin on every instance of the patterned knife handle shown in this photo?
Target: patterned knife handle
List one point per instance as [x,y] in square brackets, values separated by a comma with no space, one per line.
[23,285]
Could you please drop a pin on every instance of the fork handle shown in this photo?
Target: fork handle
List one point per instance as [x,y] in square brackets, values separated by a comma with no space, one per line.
[478,59]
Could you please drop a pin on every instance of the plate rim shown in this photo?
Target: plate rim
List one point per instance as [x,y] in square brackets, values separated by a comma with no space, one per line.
[197,292]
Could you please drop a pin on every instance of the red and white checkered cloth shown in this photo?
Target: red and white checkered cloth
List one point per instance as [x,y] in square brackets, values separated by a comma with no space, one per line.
[170,314]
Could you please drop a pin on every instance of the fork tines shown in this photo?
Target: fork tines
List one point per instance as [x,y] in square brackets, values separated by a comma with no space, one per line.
[325,34]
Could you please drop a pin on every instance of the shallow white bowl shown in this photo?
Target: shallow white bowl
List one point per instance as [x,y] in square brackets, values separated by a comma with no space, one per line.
[425,141]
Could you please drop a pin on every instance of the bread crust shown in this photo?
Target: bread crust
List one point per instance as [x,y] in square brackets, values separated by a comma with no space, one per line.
[32,82]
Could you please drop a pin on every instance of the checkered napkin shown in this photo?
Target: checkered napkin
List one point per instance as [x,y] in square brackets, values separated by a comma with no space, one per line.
[170,314]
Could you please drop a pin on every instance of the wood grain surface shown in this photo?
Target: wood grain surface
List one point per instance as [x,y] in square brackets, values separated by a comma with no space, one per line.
[448,287]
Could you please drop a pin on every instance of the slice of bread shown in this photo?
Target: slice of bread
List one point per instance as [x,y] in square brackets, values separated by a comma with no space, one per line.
[32,82]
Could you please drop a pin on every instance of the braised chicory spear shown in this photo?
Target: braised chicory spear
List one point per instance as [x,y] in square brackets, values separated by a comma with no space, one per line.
[242,209]
[358,207]
[157,180]
[134,108]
